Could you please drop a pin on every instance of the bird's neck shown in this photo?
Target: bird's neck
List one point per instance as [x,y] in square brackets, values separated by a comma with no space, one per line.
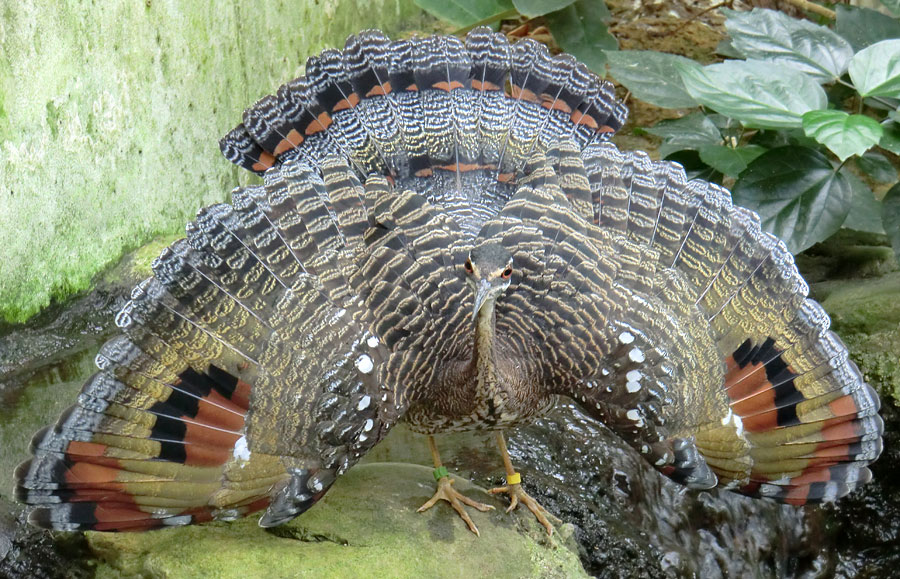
[483,359]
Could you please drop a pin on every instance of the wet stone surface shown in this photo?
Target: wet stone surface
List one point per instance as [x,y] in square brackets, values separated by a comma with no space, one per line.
[632,522]
[29,552]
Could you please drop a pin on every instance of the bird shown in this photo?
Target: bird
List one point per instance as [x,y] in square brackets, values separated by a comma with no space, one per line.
[445,237]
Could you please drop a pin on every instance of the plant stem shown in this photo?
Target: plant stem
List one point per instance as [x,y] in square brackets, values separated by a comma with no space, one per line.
[886,104]
[815,8]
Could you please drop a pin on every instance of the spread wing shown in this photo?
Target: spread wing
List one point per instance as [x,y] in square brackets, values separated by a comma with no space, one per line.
[666,313]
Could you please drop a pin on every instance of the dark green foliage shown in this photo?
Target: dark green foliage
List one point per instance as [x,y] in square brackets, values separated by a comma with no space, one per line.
[891,217]
[653,76]
[730,160]
[876,166]
[809,99]
[862,27]
[578,26]
[580,30]
[533,8]
[793,102]
[775,37]
[464,13]
[797,193]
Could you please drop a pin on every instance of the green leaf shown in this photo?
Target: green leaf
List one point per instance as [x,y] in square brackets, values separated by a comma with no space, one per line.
[653,76]
[890,140]
[732,130]
[865,209]
[862,27]
[890,217]
[726,48]
[694,168]
[535,8]
[580,30]
[774,36]
[689,132]
[877,166]
[464,12]
[797,193]
[875,71]
[844,134]
[772,139]
[759,94]
[730,160]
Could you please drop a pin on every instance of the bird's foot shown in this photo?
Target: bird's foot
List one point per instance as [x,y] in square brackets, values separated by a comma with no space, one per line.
[445,491]
[518,495]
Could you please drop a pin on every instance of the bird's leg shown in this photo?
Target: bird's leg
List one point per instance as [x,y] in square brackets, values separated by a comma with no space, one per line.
[446,492]
[517,494]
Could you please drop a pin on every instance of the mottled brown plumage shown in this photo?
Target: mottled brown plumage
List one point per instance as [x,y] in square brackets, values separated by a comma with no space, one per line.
[444,237]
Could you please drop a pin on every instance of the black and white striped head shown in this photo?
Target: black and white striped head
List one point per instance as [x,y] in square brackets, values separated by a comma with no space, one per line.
[488,271]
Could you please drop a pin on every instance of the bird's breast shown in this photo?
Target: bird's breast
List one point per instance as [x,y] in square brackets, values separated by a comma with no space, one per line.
[485,404]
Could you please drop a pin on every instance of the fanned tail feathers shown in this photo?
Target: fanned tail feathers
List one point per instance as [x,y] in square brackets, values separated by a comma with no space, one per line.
[430,111]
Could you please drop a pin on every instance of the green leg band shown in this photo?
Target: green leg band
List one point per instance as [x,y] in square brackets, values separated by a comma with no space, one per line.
[440,472]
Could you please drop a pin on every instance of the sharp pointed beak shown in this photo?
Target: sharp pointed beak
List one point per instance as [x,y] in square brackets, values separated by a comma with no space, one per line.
[482,293]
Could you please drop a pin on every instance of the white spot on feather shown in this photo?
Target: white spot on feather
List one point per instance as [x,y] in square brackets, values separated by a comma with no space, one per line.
[364,403]
[241,450]
[364,364]
[626,338]
[372,341]
[369,424]
[727,418]
[732,418]
[636,356]
[632,386]
[738,424]
[635,417]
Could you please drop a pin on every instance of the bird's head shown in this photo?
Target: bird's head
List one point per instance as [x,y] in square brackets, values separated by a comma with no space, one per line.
[488,270]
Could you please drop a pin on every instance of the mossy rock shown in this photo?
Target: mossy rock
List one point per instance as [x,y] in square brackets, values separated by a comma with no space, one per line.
[366,526]
[865,313]
[110,117]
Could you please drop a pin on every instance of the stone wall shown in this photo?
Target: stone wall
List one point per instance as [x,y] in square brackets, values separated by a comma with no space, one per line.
[110,113]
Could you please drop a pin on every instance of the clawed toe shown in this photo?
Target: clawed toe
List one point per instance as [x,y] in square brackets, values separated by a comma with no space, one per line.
[446,492]
[518,495]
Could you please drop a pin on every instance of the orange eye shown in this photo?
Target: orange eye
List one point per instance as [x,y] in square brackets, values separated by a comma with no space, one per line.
[506,273]
[468,266]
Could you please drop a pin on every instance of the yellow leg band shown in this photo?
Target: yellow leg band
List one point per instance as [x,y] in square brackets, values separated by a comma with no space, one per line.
[514,479]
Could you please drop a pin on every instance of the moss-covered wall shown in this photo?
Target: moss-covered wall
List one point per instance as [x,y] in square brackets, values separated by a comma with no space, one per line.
[110,113]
